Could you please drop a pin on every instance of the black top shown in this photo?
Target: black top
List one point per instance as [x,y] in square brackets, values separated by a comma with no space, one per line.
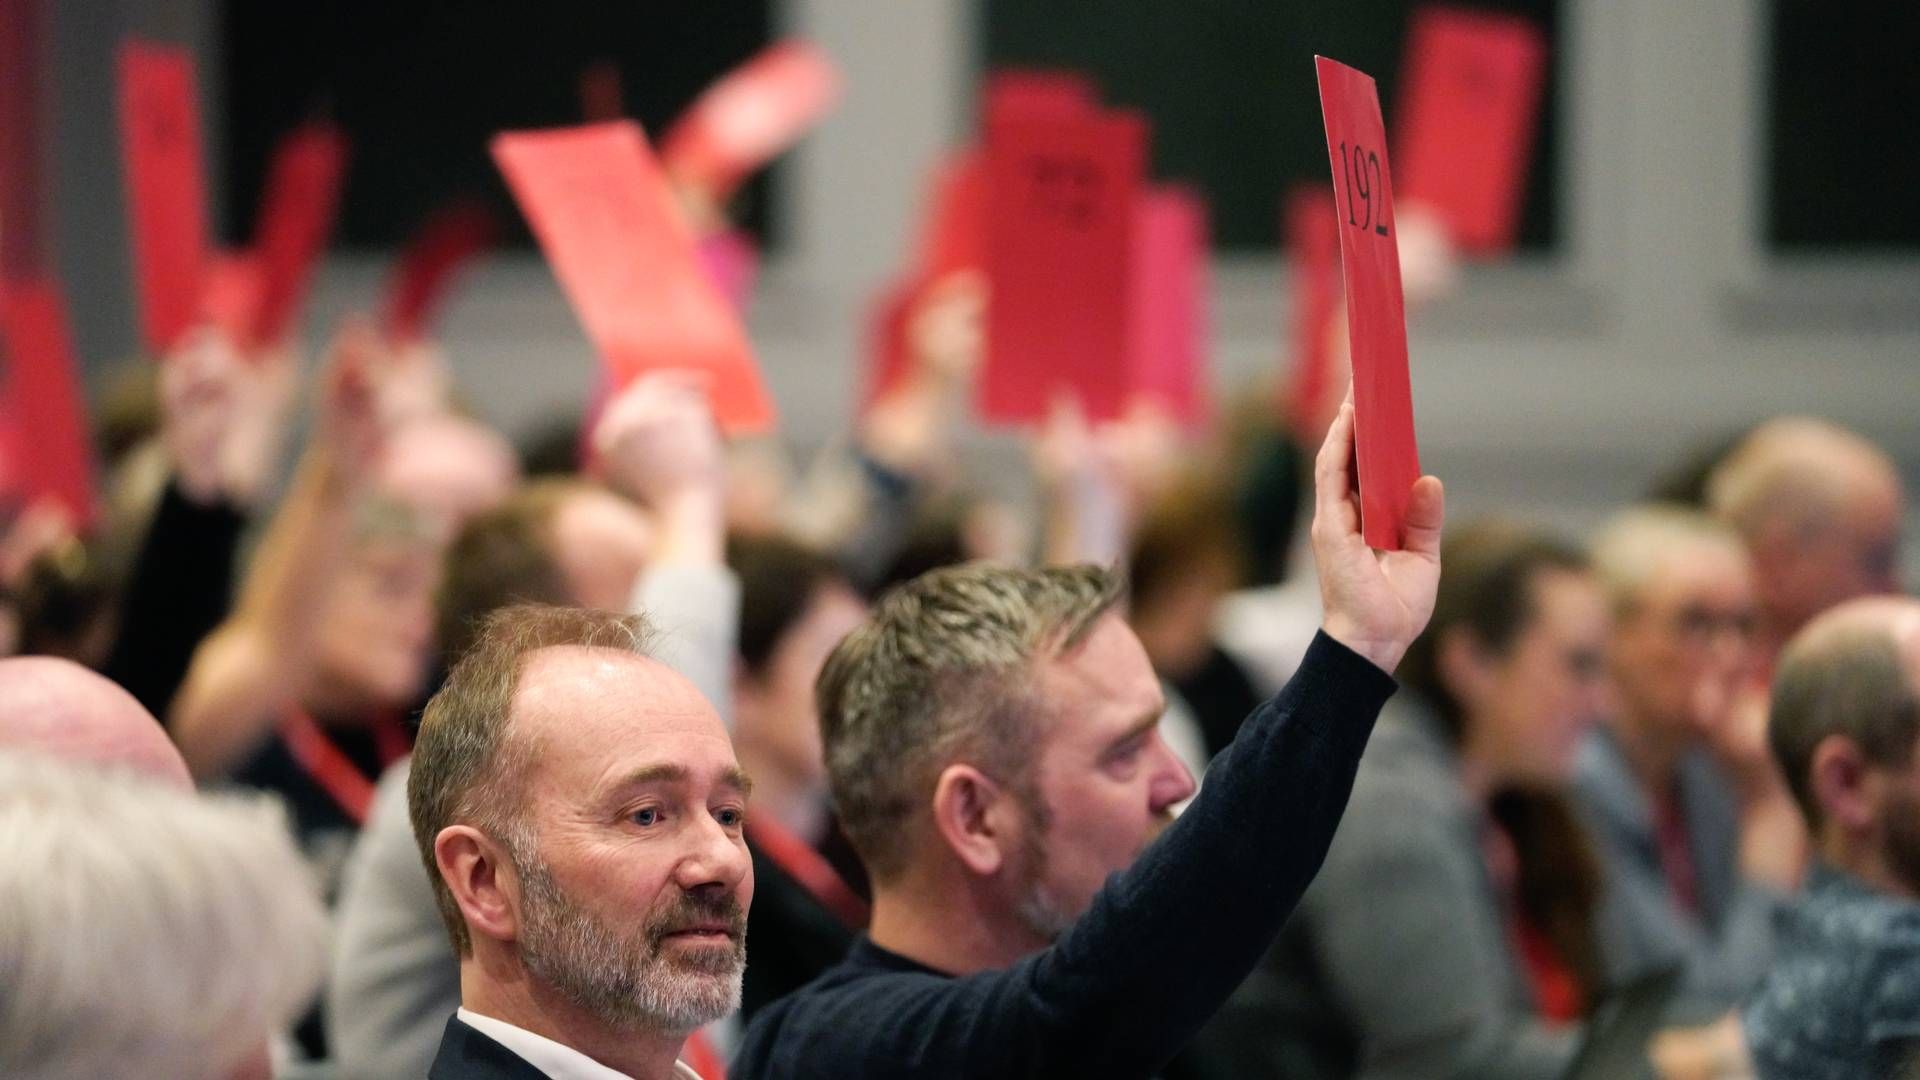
[791,937]
[180,589]
[465,1054]
[1161,946]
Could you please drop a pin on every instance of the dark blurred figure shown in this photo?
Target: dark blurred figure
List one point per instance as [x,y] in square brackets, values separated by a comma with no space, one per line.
[794,608]
[1842,998]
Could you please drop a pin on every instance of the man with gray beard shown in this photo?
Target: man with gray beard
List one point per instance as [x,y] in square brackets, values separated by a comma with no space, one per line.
[580,810]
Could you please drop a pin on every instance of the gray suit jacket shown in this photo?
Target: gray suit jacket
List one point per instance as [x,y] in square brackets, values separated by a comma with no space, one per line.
[395,980]
[1724,951]
[1397,962]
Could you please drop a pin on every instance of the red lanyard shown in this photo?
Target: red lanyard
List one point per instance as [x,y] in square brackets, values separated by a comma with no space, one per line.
[811,869]
[329,767]
[699,1055]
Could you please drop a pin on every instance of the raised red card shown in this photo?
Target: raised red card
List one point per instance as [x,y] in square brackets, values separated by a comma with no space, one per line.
[48,411]
[1384,448]
[1313,262]
[888,359]
[751,116]
[447,242]
[1013,93]
[1060,237]
[231,299]
[166,188]
[954,234]
[1170,340]
[1469,103]
[296,219]
[23,203]
[604,215]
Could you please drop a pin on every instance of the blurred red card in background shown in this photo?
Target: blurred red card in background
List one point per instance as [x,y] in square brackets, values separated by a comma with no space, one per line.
[1313,261]
[46,408]
[732,263]
[447,242]
[1169,305]
[166,188]
[604,215]
[231,297]
[296,220]
[1469,102]
[1384,448]
[1013,93]
[751,116]
[1061,192]
[953,236]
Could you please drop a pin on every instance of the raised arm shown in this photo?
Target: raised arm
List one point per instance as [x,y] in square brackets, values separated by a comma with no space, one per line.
[245,675]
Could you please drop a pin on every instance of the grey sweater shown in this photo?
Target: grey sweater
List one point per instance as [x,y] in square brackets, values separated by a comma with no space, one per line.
[1397,962]
[1723,950]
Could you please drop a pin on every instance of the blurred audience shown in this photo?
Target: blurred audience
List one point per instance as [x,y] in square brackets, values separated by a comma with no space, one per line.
[1842,996]
[1697,833]
[1821,511]
[1452,932]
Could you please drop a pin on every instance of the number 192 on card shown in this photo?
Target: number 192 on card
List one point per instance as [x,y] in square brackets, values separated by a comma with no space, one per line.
[1361,168]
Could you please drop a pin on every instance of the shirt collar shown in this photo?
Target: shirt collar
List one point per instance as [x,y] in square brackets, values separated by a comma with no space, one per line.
[558,1061]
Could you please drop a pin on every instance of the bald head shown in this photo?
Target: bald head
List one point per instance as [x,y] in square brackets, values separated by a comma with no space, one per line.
[1820,510]
[59,708]
[1853,672]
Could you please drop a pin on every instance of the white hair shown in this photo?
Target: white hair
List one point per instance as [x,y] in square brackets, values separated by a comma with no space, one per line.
[1635,542]
[145,931]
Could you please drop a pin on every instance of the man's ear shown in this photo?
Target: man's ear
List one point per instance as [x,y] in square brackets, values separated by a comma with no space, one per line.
[1844,787]
[976,818]
[482,881]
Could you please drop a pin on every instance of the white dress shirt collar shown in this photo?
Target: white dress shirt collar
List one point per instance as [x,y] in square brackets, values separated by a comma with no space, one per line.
[558,1061]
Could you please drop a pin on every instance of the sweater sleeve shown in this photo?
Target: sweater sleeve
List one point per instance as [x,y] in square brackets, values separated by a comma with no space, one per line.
[1164,941]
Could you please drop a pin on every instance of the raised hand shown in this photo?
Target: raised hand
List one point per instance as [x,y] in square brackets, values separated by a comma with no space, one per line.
[658,443]
[1376,602]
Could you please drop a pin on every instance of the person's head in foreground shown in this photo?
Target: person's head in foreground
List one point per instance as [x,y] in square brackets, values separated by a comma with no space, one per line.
[992,739]
[580,810]
[1681,650]
[146,931]
[58,708]
[1820,510]
[1842,996]
[1845,723]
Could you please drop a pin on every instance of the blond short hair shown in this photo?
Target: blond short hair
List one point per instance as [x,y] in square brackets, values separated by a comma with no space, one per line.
[943,671]
[1634,543]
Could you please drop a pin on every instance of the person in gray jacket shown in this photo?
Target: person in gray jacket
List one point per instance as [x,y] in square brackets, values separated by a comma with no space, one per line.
[1694,824]
[1452,920]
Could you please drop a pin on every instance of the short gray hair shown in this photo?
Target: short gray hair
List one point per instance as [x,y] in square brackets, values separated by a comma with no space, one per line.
[468,767]
[1841,676]
[144,930]
[942,671]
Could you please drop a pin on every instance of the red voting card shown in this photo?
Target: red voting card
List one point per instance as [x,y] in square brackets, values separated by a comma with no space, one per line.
[231,299]
[43,395]
[447,242]
[751,116]
[953,236]
[888,359]
[1388,460]
[1470,98]
[1060,236]
[1016,93]
[732,263]
[166,190]
[600,206]
[1169,342]
[1313,261]
[295,222]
